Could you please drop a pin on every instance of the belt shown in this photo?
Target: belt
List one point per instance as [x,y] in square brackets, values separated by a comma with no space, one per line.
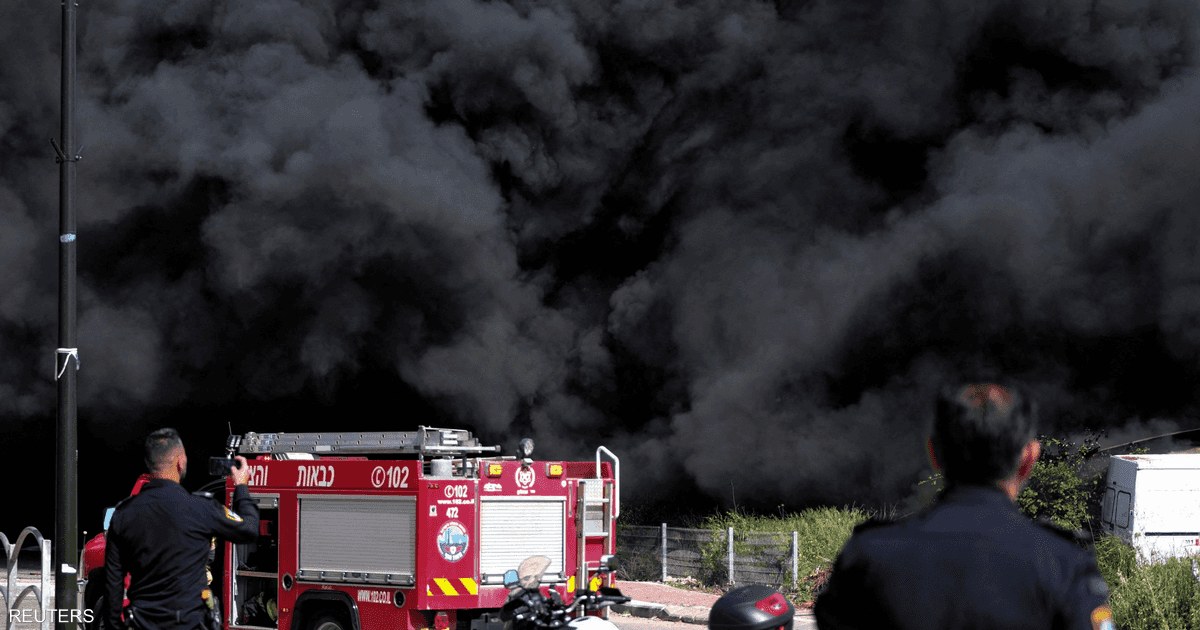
[135,623]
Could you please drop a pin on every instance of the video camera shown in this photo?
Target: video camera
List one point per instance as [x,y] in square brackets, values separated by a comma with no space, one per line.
[219,466]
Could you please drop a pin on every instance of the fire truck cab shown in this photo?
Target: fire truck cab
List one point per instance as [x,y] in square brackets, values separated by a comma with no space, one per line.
[408,530]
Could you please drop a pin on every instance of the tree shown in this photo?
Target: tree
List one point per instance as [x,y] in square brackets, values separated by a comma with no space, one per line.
[1055,489]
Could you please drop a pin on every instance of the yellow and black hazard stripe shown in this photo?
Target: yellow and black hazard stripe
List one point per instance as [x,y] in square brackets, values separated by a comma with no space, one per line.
[452,586]
[593,585]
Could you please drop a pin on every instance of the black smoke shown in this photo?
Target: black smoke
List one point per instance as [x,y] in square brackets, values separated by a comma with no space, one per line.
[740,243]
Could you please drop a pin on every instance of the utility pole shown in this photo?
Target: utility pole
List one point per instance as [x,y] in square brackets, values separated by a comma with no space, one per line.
[66,357]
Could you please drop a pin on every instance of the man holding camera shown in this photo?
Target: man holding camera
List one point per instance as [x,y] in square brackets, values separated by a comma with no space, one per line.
[162,536]
[972,559]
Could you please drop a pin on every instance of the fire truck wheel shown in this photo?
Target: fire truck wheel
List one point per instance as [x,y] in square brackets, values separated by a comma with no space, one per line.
[93,593]
[99,609]
[326,620]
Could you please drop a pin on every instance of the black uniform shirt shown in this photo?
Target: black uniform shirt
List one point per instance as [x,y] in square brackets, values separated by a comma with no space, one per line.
[161,537]
[971,560]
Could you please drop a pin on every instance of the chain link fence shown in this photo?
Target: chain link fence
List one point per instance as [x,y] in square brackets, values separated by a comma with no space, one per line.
[727,557]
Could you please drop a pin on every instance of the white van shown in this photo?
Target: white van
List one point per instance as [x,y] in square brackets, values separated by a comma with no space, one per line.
[1153,503]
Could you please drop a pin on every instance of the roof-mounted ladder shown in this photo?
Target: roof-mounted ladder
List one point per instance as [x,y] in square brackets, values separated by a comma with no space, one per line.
[424,441]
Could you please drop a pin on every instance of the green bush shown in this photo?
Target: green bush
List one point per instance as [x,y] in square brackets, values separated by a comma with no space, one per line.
[1158,595]
[1055,490]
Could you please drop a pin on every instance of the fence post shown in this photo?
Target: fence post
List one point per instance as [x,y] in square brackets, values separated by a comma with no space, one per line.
[729,537]
[8,576]
[47,605]
[664,552]
[795,559]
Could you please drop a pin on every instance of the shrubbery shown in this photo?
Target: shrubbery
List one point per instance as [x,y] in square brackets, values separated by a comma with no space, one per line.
[1152,596]
[1056,490]
[1155,595]
[822,533]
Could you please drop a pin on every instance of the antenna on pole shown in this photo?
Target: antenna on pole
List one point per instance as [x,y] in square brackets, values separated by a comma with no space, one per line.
[66,357]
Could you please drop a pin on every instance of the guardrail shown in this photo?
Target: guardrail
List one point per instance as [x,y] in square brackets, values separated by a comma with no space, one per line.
[43,592]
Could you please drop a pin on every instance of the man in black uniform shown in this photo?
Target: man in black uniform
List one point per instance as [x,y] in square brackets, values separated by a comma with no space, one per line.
[161,537]
[972,559]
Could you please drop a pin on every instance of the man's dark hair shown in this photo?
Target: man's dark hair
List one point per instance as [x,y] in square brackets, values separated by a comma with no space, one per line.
[159,445]
[979,431]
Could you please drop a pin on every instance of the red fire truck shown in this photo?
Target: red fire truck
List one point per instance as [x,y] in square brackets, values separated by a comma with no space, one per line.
[409,530]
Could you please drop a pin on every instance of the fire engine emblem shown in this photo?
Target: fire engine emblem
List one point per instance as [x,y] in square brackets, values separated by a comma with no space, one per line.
[452,541]
[524,478]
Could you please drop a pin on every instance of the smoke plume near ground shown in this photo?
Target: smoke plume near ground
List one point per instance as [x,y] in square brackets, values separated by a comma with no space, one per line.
[741,243]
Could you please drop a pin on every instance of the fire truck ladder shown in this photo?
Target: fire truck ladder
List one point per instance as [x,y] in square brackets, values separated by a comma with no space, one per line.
[599,504]
[424,441]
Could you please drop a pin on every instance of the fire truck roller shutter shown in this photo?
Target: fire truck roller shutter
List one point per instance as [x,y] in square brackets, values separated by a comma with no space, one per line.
[373,535]
[513,528]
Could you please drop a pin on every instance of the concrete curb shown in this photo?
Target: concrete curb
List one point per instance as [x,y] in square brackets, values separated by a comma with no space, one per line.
[639,609]
[686,614]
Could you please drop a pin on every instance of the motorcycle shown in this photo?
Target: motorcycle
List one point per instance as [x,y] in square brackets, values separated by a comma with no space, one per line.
[527,608]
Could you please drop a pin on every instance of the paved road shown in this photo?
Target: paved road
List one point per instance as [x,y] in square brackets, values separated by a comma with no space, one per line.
[691,604]
[628,622]
[683,609]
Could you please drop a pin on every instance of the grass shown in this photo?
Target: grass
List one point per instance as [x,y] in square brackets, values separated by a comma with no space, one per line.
[822,533]
[1160,594]
[1157,593]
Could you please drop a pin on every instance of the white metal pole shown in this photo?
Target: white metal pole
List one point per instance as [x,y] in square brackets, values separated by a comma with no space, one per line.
[729,537]
[10,576]
[47,599]
[795,558]
[664,552]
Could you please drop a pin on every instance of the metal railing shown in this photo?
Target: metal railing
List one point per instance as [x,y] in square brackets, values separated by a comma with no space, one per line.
[757,558]
[42,591]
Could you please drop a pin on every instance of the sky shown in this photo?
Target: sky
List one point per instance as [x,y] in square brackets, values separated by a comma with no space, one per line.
[741,244]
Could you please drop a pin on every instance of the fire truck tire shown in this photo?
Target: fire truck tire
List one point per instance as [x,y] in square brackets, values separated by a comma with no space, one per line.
[93,597]
[326,620]
[99,609]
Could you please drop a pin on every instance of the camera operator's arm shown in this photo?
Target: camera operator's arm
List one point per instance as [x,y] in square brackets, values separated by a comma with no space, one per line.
[240,524]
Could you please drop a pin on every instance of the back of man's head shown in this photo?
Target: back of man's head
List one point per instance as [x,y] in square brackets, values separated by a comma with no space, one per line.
[159,446]
[979,431]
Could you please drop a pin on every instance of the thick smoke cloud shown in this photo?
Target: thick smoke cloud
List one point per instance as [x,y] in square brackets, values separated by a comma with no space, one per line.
[741,243]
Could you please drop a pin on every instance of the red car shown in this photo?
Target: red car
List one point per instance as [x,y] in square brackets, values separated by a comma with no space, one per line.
[93,565]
